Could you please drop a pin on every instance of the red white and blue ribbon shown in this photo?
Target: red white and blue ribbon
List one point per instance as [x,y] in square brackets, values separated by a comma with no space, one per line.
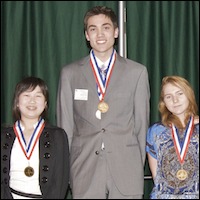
[182,147]
[101,84]
[28,148]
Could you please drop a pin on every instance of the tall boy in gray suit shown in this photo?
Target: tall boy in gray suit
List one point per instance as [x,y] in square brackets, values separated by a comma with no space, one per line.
[103,105]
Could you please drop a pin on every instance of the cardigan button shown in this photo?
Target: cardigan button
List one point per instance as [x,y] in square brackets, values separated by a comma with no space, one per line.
[46,134]
[6,181]
[5,157]
[44,179]
[47,144]
[5,146]
[47,155]
[5,170]
[45,168]
[8,135]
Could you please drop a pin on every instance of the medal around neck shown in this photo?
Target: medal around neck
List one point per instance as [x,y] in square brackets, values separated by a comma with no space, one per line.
[29,171]
[181,150]
[181,174]
[103,107]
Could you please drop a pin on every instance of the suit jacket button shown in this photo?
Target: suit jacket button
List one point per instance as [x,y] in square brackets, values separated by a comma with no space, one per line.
[97,152]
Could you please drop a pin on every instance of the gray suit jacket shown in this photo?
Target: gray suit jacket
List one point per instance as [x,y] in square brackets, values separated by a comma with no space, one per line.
[122,129]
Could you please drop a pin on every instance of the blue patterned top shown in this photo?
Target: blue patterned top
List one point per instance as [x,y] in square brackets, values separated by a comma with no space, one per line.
[160,145]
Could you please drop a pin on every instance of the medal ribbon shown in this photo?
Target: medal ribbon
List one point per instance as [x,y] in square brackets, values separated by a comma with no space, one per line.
[101,84]
[28,150]
[181,148]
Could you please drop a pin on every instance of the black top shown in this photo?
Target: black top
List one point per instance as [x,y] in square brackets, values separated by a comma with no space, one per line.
[54,162]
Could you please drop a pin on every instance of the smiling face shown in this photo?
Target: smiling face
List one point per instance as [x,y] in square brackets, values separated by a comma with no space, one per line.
[31,103]
[175,100]
[101,34]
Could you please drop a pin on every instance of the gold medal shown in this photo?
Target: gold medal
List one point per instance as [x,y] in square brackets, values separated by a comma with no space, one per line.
[181,174]
[29,171]
[103,107]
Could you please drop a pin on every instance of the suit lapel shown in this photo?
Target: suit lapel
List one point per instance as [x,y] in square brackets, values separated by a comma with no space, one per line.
[115,77]
[87,72]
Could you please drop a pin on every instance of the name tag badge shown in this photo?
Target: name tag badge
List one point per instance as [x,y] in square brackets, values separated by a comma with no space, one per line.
[81,94]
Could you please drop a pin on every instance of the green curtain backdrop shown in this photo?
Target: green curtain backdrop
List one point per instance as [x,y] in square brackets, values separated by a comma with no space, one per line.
[40,37]
[164,36]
